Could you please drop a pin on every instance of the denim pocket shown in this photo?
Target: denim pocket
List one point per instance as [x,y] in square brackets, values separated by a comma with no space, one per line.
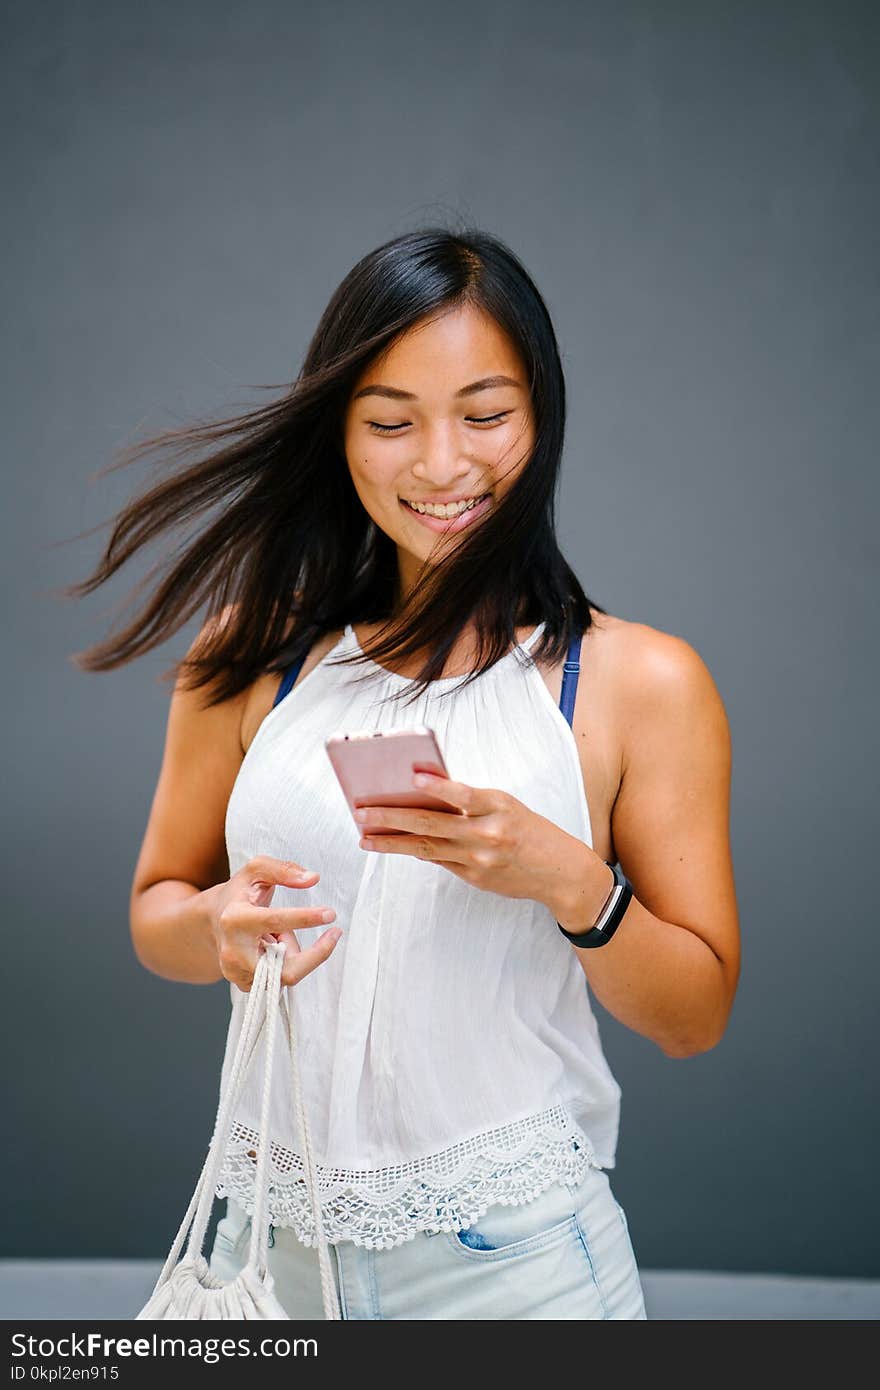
[526,1261]
[505,1232]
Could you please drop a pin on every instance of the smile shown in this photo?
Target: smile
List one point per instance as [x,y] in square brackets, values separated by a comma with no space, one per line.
[450,516]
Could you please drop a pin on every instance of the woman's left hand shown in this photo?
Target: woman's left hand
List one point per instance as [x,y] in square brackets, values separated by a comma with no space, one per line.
[498,844]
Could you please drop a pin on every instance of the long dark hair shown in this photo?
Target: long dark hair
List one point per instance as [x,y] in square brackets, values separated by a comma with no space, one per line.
[292,552]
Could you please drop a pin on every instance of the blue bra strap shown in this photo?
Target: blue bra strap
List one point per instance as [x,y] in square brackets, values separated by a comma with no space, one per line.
[570,673]
[290,676]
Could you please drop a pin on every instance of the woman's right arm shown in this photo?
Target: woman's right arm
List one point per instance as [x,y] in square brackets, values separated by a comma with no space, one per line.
[189,921]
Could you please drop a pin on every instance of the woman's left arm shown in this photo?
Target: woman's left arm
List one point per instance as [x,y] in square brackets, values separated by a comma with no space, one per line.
[671,969]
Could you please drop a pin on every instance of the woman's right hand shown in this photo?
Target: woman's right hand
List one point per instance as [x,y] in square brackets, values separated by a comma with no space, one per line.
[241,916]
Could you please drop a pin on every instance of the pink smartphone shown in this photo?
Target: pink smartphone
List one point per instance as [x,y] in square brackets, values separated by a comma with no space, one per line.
[376,768]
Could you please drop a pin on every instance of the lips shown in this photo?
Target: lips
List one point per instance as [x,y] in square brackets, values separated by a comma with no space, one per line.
[448,524]
[467,498]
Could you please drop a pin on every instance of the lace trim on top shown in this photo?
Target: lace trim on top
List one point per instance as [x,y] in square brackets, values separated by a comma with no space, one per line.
[447,1191]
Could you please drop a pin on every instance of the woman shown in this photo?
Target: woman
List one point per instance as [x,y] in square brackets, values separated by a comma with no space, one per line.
[384,556]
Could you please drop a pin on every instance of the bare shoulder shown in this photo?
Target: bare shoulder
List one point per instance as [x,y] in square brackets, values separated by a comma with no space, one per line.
[659,683]
[646,706]
[248,710]
[624,661]
[195,698]
[650,664]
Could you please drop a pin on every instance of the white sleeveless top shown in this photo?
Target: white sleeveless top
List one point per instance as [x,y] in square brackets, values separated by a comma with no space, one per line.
[448,1052]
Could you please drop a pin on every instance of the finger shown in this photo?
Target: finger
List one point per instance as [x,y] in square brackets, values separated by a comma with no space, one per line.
[310,957]
[264,869]
[394,844]
[416,820]
[417,846]
[258,921]
[472,801]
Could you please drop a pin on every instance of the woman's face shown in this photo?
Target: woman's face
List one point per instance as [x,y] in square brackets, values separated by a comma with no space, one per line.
[431,423]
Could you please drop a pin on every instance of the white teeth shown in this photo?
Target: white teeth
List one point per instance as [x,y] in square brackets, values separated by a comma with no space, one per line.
[445,510]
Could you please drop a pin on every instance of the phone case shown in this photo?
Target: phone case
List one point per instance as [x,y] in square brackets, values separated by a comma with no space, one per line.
[376,767]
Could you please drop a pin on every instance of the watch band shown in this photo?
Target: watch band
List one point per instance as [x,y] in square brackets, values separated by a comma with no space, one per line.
[611,915]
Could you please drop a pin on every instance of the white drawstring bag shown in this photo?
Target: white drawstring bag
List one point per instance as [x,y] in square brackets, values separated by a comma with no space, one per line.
[187,1290]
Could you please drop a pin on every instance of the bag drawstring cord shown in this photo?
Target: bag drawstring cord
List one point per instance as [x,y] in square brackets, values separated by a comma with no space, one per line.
[266,999]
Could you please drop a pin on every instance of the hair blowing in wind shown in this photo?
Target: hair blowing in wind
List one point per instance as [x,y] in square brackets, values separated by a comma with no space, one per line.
[275,536]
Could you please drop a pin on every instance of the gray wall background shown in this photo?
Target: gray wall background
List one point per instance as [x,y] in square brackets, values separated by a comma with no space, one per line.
[694,187]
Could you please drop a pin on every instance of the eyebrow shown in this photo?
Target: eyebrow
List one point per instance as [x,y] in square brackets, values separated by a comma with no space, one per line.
[395,394]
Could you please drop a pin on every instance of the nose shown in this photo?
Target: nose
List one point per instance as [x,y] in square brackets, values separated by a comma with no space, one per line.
[443,465]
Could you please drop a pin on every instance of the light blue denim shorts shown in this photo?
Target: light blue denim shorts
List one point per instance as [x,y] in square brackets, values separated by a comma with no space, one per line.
[566,1254]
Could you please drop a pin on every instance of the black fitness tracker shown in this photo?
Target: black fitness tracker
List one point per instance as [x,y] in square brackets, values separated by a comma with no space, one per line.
[612,913]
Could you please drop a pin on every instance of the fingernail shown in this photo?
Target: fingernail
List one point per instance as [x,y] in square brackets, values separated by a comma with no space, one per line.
[328,915]
[336,933]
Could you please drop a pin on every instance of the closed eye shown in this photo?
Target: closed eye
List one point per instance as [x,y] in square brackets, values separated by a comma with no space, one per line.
[471,420]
